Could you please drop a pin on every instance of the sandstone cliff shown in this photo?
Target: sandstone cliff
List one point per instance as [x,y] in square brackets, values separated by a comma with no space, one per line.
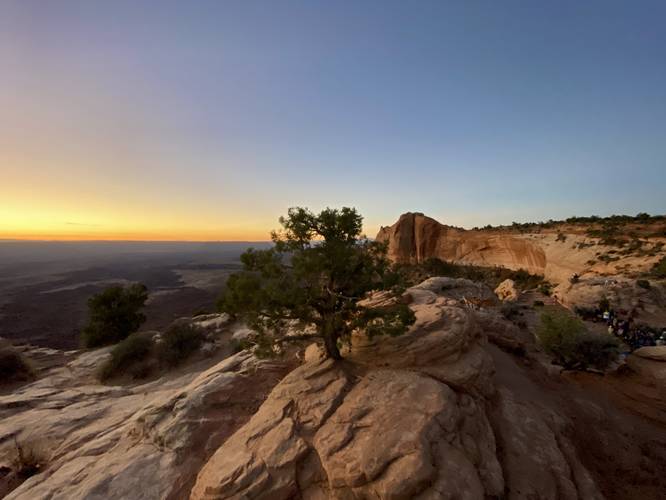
[555,253]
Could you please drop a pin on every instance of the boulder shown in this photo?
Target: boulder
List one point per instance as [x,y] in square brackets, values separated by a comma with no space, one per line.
[650,363]
[654,353]
[507,291]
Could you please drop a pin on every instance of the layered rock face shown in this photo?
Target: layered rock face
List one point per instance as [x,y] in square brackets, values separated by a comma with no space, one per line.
[406,417]
[416,238]
[146,441]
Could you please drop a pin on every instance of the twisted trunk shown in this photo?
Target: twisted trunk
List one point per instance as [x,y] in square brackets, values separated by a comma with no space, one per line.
[330,335]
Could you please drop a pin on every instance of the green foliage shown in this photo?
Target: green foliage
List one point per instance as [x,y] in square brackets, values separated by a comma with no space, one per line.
[565,338]
[129,357]
[492,276]
[114,314]
[545,288]
[317,272]
[13,366]
[659,269]
[179,342]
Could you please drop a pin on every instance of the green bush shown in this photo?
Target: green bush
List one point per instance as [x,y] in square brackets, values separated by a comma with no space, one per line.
[129,357]
[491,276]
[114,314]
[566,339]
[178,342]
[13,366]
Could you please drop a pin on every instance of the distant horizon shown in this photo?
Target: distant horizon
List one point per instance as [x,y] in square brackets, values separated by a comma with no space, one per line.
[205,121]
[268,240]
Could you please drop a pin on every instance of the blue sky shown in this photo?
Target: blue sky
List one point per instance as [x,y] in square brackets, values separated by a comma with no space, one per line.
[206,120]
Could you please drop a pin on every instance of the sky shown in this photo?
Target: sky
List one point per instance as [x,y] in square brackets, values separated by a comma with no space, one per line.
[206,120]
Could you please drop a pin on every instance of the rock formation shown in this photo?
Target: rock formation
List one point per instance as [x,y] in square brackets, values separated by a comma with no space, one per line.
[417,416]
[507,290]
[436,413]
[415,238]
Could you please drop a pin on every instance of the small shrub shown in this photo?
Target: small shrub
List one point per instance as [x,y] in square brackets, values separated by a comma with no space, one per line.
[604,304]
[28,459]
[561,237]
[608,258]
[545,288]
[13,366]
[510,310]
[643,284]
[566,339]
[659,269]
[178,342]
[114,315]
[240,345]
[129,357]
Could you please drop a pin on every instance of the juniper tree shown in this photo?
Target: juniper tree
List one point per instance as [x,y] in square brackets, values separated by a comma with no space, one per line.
[315,274]
[114,314]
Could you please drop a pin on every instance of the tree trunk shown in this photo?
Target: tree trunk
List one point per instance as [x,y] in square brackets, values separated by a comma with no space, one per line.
[331,344]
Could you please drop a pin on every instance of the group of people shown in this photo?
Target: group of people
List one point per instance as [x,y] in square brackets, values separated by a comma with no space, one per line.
[623,327]
[634,336]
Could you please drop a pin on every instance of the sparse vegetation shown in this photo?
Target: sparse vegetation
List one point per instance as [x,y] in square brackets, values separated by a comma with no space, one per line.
[561,237]
[13,366]
[178,343]
[538,303]
[643,284]
[129,357]
[566,339]
[604,304]
[492,276]
[659,269]
[316,274]
[616,220]
[28,459]
[114,314]
[511,311]
[608,258]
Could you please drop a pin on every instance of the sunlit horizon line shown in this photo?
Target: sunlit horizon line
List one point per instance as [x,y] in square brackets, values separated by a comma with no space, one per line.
[123,240]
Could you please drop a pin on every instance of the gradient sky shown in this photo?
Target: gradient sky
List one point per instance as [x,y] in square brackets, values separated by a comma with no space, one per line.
[206,120]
